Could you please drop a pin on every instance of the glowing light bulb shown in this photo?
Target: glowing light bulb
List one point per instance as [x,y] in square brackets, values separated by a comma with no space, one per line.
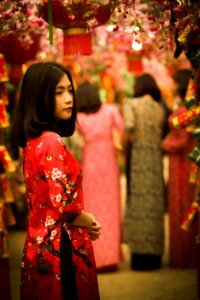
[110,28]
[151,35]
[137,46]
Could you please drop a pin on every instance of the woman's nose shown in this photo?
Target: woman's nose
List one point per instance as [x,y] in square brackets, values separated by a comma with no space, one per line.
[68,98]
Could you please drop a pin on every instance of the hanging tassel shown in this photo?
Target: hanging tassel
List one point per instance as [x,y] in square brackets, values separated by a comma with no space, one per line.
[77,41]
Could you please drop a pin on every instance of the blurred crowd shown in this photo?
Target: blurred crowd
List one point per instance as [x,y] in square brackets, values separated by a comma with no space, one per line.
[132,137]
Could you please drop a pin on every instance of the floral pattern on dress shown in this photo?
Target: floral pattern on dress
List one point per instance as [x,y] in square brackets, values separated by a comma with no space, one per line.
[53,181]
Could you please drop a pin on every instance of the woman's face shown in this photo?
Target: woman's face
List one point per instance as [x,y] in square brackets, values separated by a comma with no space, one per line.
[64,99]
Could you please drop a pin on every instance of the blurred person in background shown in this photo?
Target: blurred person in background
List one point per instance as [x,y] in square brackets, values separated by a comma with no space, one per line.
[100,126]
[178,144]
[145,125]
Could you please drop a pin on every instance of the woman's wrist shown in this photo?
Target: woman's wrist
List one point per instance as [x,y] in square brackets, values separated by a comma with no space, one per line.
[84,219]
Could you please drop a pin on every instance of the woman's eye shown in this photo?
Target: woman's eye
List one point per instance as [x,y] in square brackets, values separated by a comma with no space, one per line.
[58,92]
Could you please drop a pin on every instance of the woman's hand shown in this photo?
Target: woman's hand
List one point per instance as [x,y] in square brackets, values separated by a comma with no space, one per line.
[88,220]
[95,230]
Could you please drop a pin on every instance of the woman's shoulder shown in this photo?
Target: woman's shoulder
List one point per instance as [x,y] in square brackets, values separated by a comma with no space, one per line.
[132,103]
[134,100]
[51,138]
[110,107]
[46,139]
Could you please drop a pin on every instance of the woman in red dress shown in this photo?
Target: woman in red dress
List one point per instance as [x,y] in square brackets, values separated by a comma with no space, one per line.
[58,260]
[178,144]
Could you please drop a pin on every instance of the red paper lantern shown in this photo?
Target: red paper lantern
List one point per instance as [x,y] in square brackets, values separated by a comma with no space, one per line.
[135,64]
[15,52]
[76,20]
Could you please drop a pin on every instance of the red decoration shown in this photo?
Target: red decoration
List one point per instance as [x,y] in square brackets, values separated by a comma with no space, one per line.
[135,64]
[3,94]
[186,118]
[75,42]
[76,20]
[6,160]
[15,74]
[189,219]
[3,73]
[4,122]
[15,52]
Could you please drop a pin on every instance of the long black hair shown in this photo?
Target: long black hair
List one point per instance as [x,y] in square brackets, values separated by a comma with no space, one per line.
[88,99]
[35,111]
[146,85]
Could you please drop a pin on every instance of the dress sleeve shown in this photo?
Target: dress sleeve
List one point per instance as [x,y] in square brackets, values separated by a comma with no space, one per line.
[176,141]
[118,120]
[65,192]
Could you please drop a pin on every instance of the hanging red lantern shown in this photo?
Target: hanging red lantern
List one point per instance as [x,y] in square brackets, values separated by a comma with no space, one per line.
[77,18]
[135,64]
[16,52]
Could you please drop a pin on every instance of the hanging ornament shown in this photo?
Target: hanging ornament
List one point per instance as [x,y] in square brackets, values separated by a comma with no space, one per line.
[191,215]
[186,118]
[4,119]
[76,18]
[17,52]
[6,161]
[3,72]
[134,61]
[15,74]
[3,94]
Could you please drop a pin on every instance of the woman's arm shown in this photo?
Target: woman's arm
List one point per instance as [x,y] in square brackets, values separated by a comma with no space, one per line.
[64,193]
[176,141]
[86,219]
